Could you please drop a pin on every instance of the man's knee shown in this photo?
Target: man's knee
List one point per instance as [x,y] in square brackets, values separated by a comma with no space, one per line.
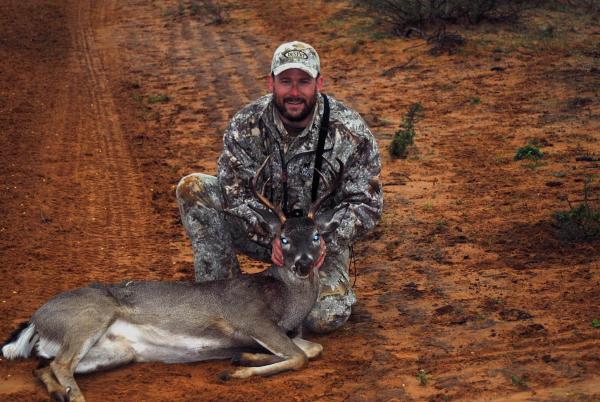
[331,311]
[197,190]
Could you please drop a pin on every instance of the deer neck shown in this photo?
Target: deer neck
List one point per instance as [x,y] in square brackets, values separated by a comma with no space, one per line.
[300,296]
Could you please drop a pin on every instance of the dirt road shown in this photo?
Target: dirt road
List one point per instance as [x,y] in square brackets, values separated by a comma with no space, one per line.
[465,291]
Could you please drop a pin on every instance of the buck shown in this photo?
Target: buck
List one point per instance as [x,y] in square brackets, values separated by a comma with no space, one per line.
[101,327]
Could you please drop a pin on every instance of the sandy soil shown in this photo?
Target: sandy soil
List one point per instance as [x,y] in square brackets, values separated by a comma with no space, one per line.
[104,105]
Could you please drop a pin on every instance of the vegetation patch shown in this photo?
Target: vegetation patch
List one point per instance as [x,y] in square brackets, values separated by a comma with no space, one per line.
[404,137]
[519,381]
[422,377]
[158,98]
[530,152]
[402,15]
[581,223]
[212,9]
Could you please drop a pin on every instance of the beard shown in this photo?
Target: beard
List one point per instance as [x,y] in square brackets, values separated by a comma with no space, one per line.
[309,106]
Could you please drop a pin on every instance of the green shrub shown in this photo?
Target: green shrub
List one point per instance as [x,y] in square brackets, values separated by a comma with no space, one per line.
[581,223]
[530,152]
[404,14]
[422,377]
[404,137]
[578,224]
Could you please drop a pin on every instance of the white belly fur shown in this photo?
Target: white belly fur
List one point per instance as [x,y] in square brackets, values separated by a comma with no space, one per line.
[150,343]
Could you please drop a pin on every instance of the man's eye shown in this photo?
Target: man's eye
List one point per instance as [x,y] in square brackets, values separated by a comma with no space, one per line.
[316,237]
[284,240]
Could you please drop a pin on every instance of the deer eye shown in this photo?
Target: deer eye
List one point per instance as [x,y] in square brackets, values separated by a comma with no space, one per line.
[284,240]
[316,237]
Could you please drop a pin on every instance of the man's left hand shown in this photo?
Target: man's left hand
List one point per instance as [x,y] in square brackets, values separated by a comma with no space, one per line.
[322,253]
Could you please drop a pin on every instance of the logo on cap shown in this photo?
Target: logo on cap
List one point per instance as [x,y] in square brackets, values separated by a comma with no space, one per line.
[295,55]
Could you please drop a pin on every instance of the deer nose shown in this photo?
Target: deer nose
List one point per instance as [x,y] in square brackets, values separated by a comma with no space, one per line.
[304,264]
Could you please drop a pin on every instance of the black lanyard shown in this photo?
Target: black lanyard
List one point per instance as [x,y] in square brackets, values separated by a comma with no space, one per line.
[320,147]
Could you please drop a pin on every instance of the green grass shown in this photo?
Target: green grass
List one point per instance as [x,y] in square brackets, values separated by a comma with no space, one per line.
[530,152]
[158,98]
[422,377]
[518,381]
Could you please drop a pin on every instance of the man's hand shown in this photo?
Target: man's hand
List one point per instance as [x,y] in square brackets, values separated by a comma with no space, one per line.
[321,258]
[277,252]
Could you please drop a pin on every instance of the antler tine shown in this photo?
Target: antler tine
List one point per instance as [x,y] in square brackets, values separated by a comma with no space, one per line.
[335,184]
[323,178]
[262,191]
[276,210]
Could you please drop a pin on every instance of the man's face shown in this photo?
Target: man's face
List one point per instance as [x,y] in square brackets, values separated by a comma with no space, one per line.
[295,95]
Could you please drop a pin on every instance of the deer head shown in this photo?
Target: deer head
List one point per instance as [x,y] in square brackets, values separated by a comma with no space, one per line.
[300,237]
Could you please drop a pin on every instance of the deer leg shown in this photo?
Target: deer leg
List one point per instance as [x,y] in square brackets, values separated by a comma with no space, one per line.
[76,344]
[55,390]
[272,338]
[256,359]
[310,349]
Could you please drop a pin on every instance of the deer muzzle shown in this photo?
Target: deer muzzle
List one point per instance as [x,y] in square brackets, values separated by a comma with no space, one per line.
[303,265]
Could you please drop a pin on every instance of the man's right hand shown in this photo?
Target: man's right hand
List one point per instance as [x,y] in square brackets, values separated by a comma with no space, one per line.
[277,252]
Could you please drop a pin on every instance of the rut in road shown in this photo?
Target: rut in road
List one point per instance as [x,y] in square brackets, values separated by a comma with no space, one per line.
[108,216]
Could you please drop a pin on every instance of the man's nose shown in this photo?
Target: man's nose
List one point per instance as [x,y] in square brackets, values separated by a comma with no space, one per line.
[294,90]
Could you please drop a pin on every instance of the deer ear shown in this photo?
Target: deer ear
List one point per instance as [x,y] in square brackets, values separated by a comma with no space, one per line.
[325,223]
[267,219]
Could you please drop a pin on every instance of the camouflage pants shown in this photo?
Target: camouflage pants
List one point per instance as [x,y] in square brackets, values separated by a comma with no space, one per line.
[217,237]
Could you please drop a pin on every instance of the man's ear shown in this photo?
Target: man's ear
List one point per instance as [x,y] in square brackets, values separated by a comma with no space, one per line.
[320,82]
[271,80]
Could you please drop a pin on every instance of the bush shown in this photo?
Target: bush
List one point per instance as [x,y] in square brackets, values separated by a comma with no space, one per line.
[404,137]
[404,14]
[529,151]
[213,9]
[580,223]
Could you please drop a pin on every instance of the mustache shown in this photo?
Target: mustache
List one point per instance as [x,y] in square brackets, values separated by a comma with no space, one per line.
[293,99]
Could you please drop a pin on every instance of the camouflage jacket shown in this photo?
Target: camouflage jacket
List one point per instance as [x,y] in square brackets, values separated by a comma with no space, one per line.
[256,132]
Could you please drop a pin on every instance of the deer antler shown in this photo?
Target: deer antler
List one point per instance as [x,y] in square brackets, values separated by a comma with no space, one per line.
[264,200]
[332,187]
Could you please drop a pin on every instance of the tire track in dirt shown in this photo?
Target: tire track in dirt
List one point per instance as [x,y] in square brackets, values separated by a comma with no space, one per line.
[106,217]
[94,212]
[116,199]
[224,70]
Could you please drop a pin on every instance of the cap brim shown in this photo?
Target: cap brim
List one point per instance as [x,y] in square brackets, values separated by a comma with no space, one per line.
[310,71]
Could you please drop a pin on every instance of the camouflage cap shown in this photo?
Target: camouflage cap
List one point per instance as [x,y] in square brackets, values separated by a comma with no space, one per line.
[296,55]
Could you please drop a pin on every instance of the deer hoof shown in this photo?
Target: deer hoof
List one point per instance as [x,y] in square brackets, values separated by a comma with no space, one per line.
[224,376]
[236,360]
[241,373]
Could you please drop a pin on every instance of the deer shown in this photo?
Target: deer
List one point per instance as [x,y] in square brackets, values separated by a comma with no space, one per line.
[249,318]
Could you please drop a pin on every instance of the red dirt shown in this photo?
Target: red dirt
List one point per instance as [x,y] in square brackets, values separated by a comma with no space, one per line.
[464,278]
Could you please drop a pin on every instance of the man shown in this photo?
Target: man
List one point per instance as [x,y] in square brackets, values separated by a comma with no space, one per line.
[219,214]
